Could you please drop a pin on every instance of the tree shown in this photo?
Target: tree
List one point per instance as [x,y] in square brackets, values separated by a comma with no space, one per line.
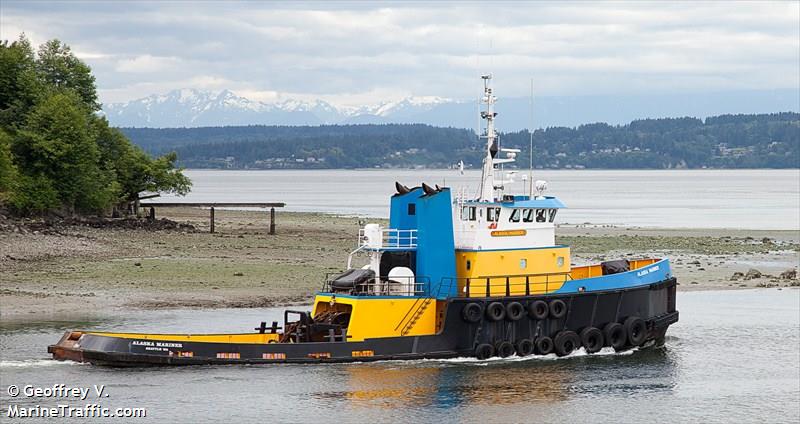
[8,172]
[56,154]
[60,69]
[19,84]
[57,142]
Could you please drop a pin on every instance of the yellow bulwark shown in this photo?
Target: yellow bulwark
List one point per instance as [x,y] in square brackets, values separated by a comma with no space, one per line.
[515,272]
[250,338]
[372,317]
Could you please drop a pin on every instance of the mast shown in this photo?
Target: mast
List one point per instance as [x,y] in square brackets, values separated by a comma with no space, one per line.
[487,177]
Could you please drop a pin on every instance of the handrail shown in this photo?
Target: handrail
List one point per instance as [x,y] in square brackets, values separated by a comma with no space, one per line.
[390,238]
[381,286]
[507,284]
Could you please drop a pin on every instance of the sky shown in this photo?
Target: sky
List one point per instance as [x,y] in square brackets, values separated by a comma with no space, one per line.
[355,53]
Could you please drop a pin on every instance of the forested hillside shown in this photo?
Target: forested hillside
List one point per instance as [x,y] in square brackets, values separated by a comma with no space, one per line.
[727,141]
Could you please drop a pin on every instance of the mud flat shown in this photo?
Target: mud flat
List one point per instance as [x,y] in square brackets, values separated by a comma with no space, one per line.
[80,270]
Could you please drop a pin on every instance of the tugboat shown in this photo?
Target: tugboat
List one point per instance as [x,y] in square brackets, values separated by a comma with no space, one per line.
[451,276]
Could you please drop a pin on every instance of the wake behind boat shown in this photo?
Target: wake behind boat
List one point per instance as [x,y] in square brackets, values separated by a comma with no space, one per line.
[453,275]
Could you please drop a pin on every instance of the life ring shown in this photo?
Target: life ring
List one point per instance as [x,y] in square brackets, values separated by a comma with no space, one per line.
[472,312]
[495,311]
[592,339]
[544,345]
[614,335]
[538,310]
[515,311]
[566,342]
[636,330]
[504,349]
[524,347]
[557,308]
[484,351]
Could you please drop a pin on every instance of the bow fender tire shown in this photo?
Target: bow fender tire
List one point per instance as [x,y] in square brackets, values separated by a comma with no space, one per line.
[557,308]
[592,339]
[484,351]
[636,331]
[524,347]
[614,334]
[515,311]
[472,312]
[566,342]
[495,311]
[544,345]
[538,310]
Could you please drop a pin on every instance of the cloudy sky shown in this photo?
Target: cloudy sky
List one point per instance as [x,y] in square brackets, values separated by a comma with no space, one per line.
[359,52]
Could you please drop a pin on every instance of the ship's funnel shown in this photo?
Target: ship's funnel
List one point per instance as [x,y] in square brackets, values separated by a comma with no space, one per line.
[427,189]
[401,189]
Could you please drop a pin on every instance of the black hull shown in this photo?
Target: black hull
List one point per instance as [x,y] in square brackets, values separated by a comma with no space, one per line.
[653,304]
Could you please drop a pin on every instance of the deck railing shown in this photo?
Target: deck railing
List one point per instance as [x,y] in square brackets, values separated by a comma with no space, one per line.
[506,285]
[388,238]
[383,286]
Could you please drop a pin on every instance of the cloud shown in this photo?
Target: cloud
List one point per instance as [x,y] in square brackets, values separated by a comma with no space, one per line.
[146,63]
[358,52]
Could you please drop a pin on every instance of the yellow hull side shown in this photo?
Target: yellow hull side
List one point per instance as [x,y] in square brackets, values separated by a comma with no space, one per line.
[383,317]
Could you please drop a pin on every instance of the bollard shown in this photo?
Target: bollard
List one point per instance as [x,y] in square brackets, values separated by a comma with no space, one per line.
[272,221]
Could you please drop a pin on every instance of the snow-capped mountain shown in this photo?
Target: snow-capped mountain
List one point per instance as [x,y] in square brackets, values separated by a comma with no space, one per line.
[196,108]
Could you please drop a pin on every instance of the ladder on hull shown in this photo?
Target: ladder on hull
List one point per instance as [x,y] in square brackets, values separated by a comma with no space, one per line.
[416,315]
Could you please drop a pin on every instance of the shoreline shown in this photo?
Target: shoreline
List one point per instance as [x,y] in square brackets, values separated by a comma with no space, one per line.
[74,271]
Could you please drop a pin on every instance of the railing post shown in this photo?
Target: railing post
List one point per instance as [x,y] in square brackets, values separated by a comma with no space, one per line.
[488,288]
[527,285]
[508,286]
[467,287]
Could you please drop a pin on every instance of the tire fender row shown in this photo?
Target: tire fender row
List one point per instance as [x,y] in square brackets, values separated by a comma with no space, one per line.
[629,333]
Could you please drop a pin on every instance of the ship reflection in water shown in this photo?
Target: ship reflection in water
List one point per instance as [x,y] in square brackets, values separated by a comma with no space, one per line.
[524,382]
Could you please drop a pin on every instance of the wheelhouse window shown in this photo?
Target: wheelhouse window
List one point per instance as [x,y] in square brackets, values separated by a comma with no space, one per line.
[540,215]
[492,214]
[527,215]
[553,214]
[412,208]
[468,213]
[514,217]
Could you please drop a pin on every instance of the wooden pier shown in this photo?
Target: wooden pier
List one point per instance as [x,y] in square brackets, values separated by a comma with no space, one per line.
[211,206]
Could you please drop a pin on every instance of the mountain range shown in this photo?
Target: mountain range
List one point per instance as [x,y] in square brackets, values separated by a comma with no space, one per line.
[199,108]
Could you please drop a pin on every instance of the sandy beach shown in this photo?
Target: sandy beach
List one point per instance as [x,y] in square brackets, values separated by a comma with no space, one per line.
[80,272]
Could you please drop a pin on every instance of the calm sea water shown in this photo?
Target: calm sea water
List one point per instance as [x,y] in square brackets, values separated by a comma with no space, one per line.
[733,357]
[749,199]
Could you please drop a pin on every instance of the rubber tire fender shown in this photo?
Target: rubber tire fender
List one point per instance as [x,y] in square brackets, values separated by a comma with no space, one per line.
[524,347]
[614,335]
[504,349]
[495,311]
[592,339]
[538,310]
[515,311]
[566,342]
[544,345]
[484,351]
[557,308]
[636,330]
[472,312]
